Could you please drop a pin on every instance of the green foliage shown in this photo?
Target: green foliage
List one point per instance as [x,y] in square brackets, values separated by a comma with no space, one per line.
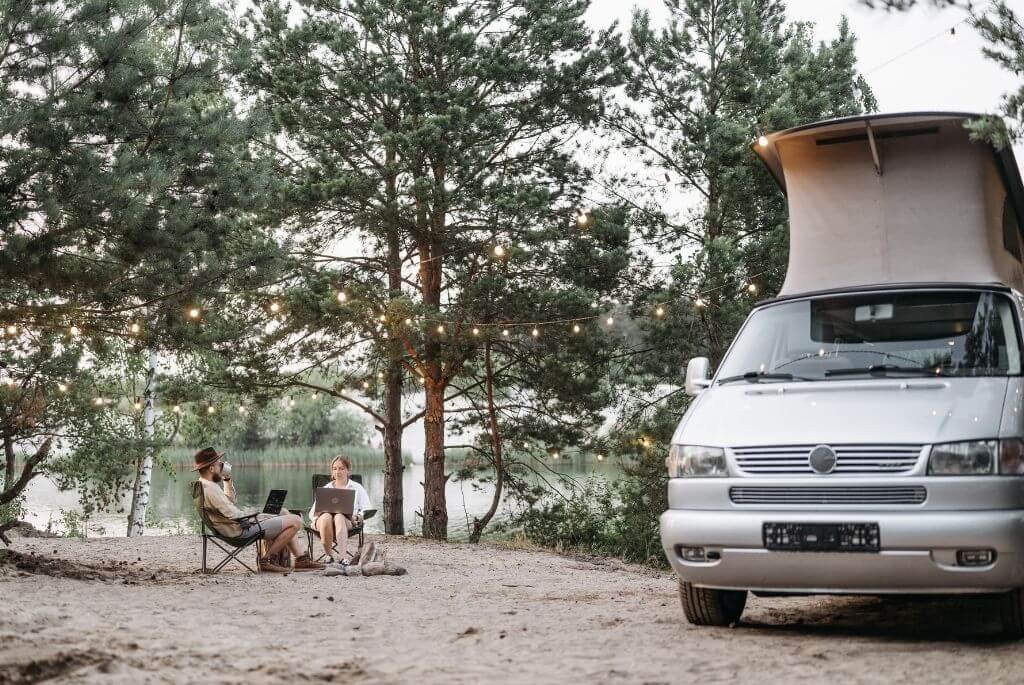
[297,421]
[616,518]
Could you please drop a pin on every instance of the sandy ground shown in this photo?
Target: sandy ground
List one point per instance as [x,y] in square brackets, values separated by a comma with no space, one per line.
[463,614]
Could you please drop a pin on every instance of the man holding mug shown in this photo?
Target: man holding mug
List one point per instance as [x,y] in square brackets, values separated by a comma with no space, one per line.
[279,531]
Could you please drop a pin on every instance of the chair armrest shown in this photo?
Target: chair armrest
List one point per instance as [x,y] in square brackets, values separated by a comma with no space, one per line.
[297,512]
[247,516]
[369,514]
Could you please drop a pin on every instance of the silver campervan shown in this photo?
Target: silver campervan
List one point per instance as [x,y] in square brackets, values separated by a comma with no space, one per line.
[864,433]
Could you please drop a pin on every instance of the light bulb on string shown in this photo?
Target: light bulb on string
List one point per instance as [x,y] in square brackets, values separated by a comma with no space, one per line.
[12,329]
[752,289]
[193,313]
[610,320]
[366,385]
[423,380]
[659,312]
[74,330]
[342,296]
[241,409]
[504,332]
[380,375]
[383,318]
[275,307]
[211,409]
[291,402]
[408,322]
[476,331]
[499,251]
[176,409]
[135,327]
[582,219]
[600,457]
[762,141]
[440,328]
[699,303]
[535,333]
[62,387]
[137,405]
[575,328]
[98,401]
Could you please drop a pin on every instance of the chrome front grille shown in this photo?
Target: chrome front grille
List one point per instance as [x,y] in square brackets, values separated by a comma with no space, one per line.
[790,460]
[914,494]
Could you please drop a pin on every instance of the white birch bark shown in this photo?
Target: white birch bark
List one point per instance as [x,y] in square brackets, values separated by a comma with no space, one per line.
[144,474]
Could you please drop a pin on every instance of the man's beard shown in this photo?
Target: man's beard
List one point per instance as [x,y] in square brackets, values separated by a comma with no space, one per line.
[216,478]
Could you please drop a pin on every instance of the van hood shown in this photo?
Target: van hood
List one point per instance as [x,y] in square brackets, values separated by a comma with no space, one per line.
[837,412]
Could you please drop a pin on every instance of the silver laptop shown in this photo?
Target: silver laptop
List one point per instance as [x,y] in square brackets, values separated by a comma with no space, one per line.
[334,501]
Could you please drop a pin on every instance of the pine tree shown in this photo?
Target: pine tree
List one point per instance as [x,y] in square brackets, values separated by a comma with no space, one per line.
[436,133]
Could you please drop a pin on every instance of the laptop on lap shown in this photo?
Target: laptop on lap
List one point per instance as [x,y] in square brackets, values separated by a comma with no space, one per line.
[335,501]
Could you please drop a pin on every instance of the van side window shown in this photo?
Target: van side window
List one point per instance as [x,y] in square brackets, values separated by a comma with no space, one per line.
[1011,228]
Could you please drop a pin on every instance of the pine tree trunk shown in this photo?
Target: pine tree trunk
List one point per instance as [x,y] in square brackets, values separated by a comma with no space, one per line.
[435,509]
[144,474]
[8,462]
[499,467]
[394,519]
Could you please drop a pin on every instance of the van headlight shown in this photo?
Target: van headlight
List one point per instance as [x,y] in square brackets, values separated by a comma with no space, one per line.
[695,461]
[969,458]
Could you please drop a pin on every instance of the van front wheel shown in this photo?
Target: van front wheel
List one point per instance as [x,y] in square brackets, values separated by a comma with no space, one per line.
[706,607]
[1012,609]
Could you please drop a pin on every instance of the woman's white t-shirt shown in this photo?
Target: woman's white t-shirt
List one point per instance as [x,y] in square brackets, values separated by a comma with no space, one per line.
[362,502]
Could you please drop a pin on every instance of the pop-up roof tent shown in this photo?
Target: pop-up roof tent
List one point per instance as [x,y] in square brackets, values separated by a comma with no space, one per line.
[896,198]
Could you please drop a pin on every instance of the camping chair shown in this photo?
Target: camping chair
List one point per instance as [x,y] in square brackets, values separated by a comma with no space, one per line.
[234,546]
[319,481]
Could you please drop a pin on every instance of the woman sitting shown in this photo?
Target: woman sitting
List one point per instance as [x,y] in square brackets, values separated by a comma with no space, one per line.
[334,528]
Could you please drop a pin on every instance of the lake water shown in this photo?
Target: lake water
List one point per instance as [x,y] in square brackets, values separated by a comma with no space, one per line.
[171,509]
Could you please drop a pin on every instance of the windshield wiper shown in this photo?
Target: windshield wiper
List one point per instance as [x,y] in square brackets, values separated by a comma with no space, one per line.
[883,370]
[758,376]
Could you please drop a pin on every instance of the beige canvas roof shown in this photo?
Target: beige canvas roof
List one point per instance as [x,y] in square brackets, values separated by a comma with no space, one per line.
[897,198]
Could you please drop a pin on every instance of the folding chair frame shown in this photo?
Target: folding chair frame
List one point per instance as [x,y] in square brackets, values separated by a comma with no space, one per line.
[232,551]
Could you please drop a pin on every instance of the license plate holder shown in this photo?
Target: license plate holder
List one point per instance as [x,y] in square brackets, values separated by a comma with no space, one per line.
[821,537]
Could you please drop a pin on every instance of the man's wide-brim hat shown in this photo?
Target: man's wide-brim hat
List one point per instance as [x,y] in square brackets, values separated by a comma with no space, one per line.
[205,457]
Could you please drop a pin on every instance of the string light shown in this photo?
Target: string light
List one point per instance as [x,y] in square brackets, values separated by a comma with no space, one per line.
[762,141]
[408,322]
[241,409]
[275,307]
[380,375]
[176,409]
[600,457]
[291,402]
[554,455]
[440,328]
[12,329]
[575,328]
[535,333]
[423,380]
[193,313]
[504,332]
[135,327]
[74,331]
[366,385]
[582,219]
[342,296]
[499,251]
[62,387]
[699,303]
[210,409]
[476,331]
[660,311]
[98,401]
[610,320]
[752,289]
[383,318]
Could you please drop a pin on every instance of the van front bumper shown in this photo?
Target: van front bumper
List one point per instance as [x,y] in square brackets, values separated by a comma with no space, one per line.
[918,552]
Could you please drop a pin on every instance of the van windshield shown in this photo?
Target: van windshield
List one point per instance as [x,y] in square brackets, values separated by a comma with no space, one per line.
[952,333]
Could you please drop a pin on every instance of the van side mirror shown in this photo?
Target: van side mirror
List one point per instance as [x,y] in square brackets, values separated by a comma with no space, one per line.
[697,376]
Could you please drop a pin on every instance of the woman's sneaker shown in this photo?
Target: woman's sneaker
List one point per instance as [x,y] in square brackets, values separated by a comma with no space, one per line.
[328,560]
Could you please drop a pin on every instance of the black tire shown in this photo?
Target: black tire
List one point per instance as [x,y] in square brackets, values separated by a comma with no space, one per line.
[1011,608]
[706,607]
